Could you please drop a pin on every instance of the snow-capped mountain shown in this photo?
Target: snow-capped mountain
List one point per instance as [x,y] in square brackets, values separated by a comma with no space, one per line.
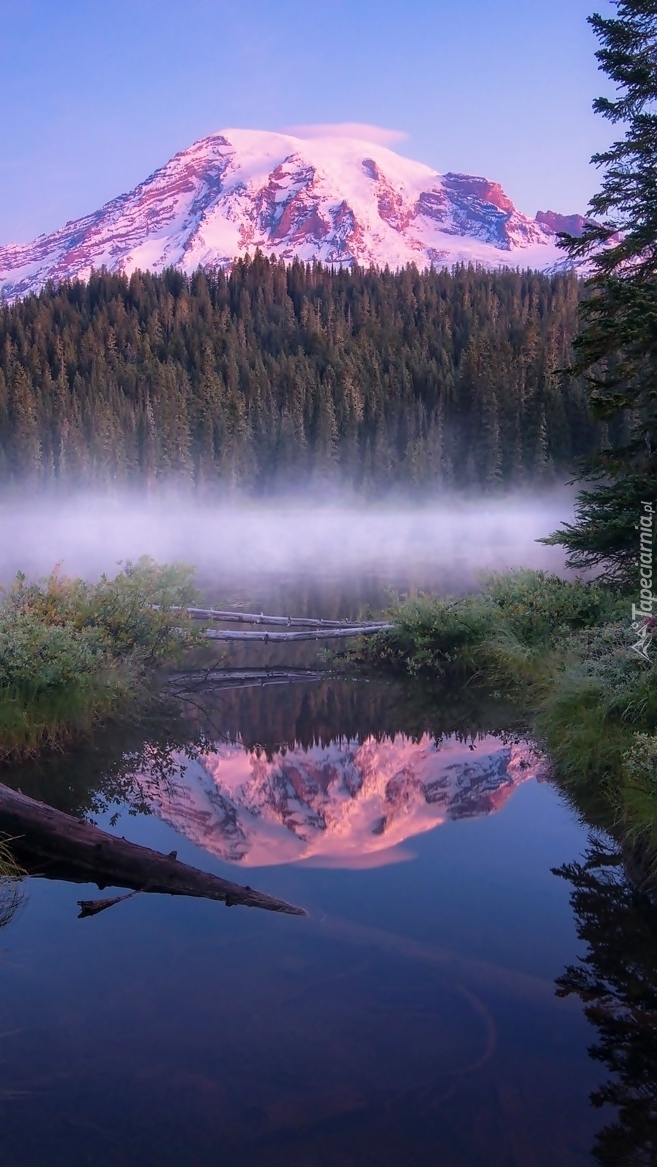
[335,199]
[349,804]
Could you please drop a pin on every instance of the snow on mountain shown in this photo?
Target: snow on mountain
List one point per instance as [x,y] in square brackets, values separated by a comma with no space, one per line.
[336,199]
[349,804]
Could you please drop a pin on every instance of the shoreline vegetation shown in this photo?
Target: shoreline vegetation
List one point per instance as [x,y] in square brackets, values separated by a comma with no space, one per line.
[73,654]
[563,651]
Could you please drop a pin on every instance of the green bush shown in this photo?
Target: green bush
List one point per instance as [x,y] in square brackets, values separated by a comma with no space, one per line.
[72,652]
[541,609]
[503,632]
[640,761]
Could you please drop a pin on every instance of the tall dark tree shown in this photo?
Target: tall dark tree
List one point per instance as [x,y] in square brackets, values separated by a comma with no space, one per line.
[616,349]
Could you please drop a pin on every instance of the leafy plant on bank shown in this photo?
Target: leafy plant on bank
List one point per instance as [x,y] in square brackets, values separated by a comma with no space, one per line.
[72,653]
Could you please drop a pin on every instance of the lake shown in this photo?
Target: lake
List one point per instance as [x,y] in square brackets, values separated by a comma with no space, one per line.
[412,1016]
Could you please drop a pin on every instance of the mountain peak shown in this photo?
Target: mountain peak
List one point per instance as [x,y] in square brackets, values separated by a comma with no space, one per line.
[337,199]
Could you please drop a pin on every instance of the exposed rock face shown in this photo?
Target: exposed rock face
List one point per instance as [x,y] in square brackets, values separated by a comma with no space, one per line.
[338,200]
[571,224]
[349,804]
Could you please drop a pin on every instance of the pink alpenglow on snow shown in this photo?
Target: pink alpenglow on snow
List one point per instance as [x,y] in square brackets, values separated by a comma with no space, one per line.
[350,804]
[328,197]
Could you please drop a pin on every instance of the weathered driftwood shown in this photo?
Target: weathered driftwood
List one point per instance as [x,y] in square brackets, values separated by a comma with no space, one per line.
[48,842]
[284,621]
[314,634]
[312,629]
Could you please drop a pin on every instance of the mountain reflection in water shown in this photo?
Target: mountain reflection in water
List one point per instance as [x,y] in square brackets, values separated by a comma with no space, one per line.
[343,804]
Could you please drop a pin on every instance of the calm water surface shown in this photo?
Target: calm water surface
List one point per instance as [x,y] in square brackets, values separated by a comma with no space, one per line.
[410,1018]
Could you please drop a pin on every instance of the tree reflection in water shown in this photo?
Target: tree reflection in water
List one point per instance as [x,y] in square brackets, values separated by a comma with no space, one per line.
[617,982]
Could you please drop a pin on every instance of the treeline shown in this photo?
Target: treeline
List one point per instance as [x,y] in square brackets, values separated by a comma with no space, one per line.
[276,376]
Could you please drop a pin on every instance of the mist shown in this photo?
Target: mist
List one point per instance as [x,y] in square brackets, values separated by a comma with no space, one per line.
[439,545]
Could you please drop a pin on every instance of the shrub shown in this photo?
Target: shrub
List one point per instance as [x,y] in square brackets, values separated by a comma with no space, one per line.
[73,652]
[502,633]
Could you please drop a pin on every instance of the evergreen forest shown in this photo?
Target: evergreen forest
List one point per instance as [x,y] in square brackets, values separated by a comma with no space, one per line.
[274,376]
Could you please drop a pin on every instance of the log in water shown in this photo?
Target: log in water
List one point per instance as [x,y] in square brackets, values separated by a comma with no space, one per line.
[49,843]
[308,634]
[308,629]
[285,621]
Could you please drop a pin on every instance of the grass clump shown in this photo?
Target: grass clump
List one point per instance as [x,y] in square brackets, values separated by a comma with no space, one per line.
[73,653]
[10,882]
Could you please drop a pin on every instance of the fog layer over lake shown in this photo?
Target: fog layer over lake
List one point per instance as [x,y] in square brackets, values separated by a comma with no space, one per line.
[441,544]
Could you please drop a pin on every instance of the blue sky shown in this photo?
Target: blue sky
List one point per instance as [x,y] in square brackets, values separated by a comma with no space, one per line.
[97,94]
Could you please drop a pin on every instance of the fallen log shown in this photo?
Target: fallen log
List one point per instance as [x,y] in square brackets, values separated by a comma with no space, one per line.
[46,842]
[284,621]
[315,634]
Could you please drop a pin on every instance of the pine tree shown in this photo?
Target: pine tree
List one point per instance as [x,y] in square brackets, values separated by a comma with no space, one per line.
[616,349]
[25,447]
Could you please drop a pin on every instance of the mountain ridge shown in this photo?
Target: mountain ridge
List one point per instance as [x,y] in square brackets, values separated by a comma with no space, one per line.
[339,200]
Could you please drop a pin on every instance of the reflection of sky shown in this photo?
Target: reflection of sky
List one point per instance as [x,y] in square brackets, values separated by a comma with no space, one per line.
[350,804]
